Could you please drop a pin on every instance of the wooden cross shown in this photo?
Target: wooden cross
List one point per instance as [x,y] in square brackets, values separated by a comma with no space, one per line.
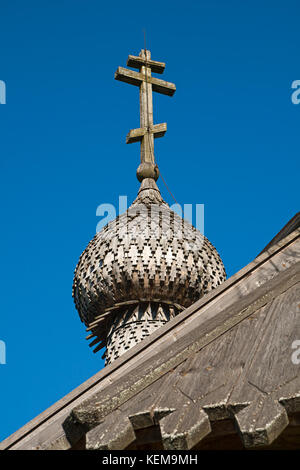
[148,131]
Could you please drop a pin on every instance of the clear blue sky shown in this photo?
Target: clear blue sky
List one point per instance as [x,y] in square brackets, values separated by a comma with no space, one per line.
[232,144]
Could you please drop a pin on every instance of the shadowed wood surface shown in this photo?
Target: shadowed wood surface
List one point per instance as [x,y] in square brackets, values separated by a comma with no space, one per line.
[240,375]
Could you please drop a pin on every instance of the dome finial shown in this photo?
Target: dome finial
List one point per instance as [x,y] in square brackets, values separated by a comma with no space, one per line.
[148,131]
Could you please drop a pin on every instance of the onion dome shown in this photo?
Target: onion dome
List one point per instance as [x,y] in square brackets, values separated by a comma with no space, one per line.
[148,255]
[147,265]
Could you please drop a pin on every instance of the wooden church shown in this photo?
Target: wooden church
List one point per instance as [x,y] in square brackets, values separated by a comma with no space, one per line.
[193,360]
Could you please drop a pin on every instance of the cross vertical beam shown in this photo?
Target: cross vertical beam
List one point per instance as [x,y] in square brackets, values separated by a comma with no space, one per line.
[146,110]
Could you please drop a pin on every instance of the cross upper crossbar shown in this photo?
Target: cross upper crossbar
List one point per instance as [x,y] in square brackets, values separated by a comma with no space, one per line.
[138,62]
[146,83]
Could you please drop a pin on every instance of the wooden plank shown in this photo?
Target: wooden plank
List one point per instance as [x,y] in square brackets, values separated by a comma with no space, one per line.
[115,433]
[289,228]
[232,373]
[271,367]
[100,346]
[143,410]
[159,130]
[163,87]
[290,397]
[136,78]
[95,341]
[184,428]
[182,424]
[261,422]
[129,76]
[136,135]
[209,376]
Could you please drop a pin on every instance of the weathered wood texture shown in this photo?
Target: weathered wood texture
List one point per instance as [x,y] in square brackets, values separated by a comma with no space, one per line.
[136,78]
[251,303]
[223,436]
[243,374]
[290,227]
[139,62]
[136,135]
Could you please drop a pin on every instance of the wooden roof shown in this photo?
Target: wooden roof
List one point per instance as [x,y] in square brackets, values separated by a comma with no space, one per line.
[293,224]
[223,367]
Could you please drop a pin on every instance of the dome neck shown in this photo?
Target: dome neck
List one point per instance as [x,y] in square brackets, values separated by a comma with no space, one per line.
[131,324]
[149,193]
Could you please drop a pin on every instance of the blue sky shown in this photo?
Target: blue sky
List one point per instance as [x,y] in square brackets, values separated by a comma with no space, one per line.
[232,144]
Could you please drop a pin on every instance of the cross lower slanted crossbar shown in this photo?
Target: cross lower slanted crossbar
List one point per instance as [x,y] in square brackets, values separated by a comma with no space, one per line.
[136,135]
[137,78]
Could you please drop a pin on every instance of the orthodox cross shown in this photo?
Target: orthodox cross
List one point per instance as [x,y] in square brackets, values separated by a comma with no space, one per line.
[147,131]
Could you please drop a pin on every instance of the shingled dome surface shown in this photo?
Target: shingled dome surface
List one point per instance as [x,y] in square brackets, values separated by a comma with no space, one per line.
[147,253]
